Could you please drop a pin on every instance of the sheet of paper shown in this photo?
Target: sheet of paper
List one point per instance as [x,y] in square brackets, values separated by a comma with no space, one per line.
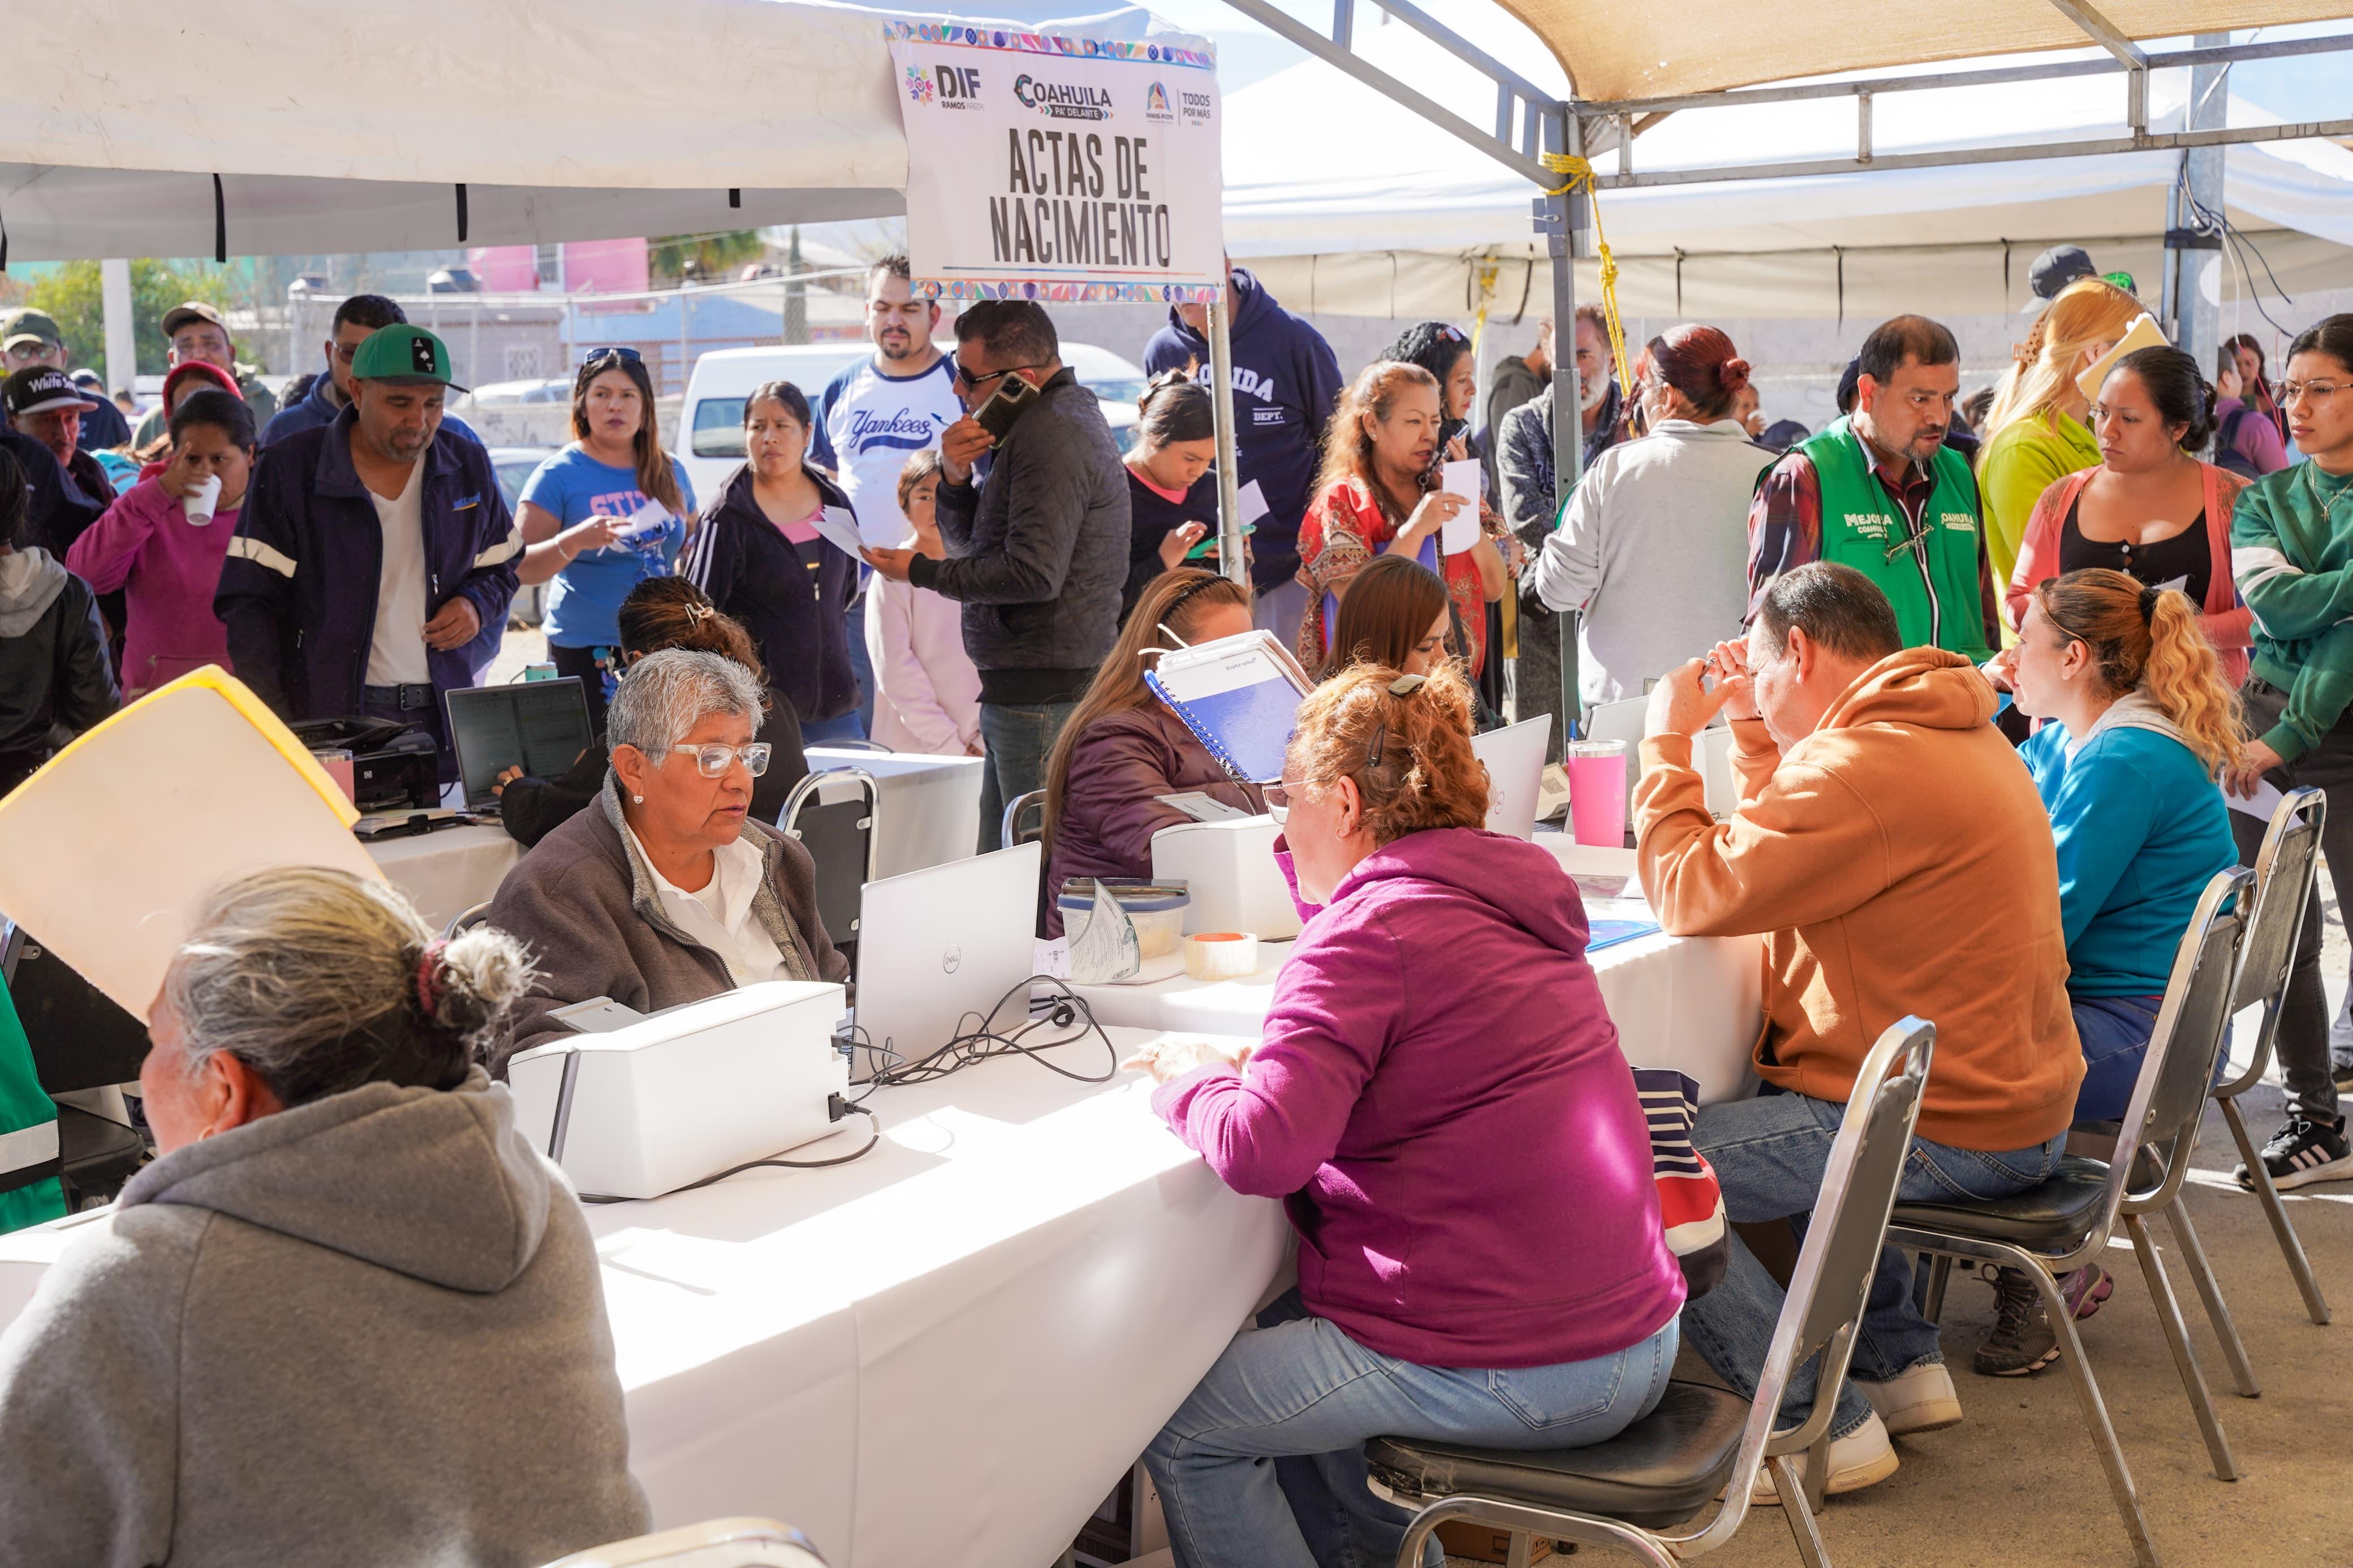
[1250,502]
[2264,801]
[1462,529]
[648,519]
[838,529]
[1052,958]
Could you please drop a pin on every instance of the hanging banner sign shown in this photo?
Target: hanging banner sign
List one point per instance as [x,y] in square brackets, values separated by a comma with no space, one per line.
[1056,168]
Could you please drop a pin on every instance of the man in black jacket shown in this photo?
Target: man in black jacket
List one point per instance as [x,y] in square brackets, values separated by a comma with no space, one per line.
[1038,544]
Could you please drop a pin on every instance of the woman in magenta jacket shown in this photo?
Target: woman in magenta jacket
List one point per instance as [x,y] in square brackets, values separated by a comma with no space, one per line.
[167,563]
[1124,750]
[1439,1101]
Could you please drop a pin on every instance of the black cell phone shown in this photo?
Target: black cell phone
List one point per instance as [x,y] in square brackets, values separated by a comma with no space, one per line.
[1004,407]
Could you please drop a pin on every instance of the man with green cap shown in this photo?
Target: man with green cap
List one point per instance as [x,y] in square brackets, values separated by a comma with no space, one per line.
[29,339]
[373,563]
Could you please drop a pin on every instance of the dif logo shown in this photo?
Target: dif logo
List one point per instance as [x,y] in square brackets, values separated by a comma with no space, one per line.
[951,87]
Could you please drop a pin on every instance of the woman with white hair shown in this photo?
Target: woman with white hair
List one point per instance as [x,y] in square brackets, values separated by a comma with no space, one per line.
[347,1315]
[666,890]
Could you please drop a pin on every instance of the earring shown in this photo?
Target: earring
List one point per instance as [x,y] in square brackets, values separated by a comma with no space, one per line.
[639,799]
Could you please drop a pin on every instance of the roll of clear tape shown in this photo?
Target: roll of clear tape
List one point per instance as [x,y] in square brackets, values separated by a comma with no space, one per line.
[1220,954]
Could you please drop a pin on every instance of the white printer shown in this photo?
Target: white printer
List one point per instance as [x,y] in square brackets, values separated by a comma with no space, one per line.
[1228,867]
[667,1099]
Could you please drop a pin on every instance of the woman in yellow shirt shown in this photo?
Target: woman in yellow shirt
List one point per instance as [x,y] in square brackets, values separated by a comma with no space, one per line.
[2035,433]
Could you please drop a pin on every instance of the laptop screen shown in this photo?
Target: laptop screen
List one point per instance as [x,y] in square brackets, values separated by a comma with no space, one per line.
[539,726]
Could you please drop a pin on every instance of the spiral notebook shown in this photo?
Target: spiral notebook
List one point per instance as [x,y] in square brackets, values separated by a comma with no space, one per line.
[1240,696]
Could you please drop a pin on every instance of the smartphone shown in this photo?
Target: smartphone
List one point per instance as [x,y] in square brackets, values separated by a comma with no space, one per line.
[1004,407]
[1209,542]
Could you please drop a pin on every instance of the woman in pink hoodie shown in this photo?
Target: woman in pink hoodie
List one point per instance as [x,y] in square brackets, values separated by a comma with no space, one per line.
[1439,1101]
[167,558]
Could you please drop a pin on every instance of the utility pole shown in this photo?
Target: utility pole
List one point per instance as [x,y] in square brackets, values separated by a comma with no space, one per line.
[121,332]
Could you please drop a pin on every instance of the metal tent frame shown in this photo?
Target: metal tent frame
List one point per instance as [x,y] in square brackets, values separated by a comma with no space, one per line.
[1531,126]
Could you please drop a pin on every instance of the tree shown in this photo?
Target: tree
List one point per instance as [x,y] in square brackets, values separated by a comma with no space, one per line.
[72,296]
[711,256]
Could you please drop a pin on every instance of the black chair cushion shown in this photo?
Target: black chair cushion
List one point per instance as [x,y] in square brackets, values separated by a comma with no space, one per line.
[2059,1214]
[1664,1468]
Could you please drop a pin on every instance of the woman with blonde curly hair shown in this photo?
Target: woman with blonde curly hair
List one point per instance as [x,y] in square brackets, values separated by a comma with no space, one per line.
[1439,1098]
[2035,434]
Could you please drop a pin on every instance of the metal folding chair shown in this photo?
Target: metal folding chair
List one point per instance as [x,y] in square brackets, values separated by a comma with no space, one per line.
[2286,868]
[1011,832]
[840,837]
[2064,1223]
[715,1543]
[468,919]
[851,744]
[1667,1467]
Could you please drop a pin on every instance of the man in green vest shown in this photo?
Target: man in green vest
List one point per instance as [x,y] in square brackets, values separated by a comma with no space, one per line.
[1879,492]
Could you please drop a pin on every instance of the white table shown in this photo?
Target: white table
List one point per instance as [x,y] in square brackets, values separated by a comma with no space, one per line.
[1693,1003]
[448,872]
[929,810]
[946,1352]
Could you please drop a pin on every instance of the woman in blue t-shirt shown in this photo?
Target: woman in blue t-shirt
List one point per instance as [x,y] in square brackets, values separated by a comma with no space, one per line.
[601,516]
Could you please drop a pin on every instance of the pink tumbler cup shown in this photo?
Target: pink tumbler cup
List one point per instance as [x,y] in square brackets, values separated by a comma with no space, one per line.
[1597,792]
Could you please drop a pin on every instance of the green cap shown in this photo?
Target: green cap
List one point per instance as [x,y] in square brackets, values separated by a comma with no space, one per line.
[21,323]
[402,355]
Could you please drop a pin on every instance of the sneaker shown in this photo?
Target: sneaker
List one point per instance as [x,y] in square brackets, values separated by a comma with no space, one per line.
[1864,1457]
[1921,1400]
[2305,1151]
[2085,1289]
[2021,1343]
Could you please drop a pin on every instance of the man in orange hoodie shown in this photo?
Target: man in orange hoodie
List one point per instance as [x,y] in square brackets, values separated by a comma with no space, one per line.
[1898,860]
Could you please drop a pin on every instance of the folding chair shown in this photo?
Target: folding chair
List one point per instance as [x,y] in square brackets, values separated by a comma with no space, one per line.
[1665,1467]
[467,919]
[840,837]
[2286,868]
[1011,832]
[2064,1223]
[715,1543]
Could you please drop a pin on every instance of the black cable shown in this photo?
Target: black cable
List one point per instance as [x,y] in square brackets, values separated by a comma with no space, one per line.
[875,1136]
[976,1042]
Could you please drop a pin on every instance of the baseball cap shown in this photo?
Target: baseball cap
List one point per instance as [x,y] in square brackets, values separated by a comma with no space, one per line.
[2058,267]
[179,316]
[41,389]
[20,325]
[85,376]
[402,355]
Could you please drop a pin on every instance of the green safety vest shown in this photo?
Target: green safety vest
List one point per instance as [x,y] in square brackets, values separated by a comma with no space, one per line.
[1933,576]
[24,1105]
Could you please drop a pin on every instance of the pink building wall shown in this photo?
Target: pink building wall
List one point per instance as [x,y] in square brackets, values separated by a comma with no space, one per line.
[592,265]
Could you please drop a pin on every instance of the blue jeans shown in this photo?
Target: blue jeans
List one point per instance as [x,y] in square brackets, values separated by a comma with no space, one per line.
[1769,1154]
[1263,1466]
[861,664]
[840,727]
[1016,742]
[2115,1031]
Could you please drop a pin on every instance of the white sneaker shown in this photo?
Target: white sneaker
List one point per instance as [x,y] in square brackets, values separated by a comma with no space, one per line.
[1865,1457]
[1921,1400]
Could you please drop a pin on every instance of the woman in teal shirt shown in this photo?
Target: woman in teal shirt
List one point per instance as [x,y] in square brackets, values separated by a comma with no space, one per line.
[2140,724]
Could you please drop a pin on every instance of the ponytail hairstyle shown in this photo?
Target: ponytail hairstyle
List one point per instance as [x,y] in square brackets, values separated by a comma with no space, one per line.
[672,612]
[656,477]
[1179,599]
[2331,335]
[1701,363]
[2148,640]
[1405,740]
[2181,395]
[1347,444]
[322,982]
[1174,407]
[2088,310]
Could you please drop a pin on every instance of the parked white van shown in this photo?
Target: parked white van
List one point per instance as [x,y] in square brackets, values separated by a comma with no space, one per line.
[708,436]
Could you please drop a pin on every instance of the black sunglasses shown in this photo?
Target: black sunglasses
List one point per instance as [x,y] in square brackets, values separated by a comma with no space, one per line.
[611,353]
[965,378]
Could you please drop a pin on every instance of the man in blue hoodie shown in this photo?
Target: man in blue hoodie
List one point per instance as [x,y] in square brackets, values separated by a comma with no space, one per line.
[1286,380]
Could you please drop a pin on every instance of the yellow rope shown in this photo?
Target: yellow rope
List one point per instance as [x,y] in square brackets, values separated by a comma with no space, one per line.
[1581,181]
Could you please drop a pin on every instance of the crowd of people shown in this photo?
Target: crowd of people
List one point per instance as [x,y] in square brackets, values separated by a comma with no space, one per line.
[1988,691]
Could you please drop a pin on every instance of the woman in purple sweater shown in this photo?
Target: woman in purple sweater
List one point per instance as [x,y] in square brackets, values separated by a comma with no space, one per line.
[1439,1101]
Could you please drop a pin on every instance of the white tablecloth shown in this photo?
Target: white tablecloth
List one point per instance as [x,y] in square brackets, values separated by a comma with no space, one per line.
[1695,1003]
[930,808]
[448,872]
[945,1353]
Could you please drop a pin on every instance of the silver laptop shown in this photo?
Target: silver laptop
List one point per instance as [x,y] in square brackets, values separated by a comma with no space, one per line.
[1711,752]
[939,948]
[1515,756]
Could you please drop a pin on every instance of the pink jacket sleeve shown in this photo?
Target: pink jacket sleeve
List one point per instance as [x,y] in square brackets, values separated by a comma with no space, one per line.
[2038,549]
[900,676]
[108,548]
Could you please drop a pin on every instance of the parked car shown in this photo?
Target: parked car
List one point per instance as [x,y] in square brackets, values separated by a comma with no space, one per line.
[515,466]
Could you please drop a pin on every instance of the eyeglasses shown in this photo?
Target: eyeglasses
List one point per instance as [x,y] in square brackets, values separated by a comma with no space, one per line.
[2289,391]
[712,761]
[1279,798]
[965,378]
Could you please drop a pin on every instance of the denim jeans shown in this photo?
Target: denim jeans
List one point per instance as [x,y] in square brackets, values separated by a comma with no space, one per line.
[840,727]
[1263,1466]
[2115,1031]
[1769,1154]
[861,664]
[1015,741]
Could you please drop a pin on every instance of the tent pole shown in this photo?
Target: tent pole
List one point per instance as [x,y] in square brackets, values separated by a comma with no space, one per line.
[2198,319]
[1557,219]
[1221,401]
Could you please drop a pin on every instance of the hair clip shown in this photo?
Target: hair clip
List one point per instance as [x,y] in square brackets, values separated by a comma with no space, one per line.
[1407,685]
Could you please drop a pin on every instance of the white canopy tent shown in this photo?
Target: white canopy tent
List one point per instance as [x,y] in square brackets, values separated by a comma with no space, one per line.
[1399,218]
[313,127]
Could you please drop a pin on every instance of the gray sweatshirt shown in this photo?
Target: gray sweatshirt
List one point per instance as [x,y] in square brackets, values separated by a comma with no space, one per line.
[366,1330]
[1654,549]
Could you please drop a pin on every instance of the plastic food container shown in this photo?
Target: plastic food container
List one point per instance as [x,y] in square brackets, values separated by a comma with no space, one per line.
[1157,909]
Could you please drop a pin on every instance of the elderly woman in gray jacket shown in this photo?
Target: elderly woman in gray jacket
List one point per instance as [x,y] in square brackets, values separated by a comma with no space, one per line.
[666,890]
[347,1315]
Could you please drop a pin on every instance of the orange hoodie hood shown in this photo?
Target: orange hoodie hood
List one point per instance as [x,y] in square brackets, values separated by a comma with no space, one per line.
[1924,686]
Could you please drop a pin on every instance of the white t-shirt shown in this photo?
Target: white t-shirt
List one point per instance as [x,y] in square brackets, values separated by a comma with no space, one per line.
[869,425]
[720,916]
[396,650]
